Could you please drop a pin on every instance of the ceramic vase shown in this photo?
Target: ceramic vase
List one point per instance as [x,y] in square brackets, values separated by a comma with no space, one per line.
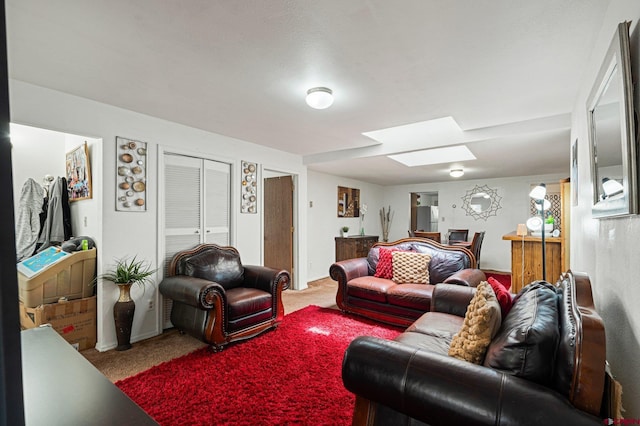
[123,311]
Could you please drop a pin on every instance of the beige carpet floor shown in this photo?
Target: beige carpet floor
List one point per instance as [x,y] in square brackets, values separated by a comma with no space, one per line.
[171,344]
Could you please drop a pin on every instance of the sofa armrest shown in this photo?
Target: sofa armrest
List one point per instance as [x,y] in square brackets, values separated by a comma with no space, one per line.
[467,277]
[192,291]
[441,390]
[451,299]
[346,270]
[265,278]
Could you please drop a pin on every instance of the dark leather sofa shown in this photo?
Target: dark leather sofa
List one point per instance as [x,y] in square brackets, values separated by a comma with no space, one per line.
[361,293]
[546,365]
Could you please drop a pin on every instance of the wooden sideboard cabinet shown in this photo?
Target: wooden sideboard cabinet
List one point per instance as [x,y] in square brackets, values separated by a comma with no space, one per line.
[353,247]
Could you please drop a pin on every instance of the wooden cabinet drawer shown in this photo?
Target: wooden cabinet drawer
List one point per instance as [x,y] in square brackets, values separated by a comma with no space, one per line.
[354,247]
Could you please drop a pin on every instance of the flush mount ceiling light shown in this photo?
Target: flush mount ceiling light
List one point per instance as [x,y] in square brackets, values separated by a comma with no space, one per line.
[319,97]
[456,173]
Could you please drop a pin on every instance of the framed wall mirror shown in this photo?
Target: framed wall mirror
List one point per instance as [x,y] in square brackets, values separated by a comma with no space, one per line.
[481,202]
[612,136]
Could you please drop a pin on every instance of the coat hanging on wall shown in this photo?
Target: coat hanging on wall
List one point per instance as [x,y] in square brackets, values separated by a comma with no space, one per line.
[57,224]
[28,220]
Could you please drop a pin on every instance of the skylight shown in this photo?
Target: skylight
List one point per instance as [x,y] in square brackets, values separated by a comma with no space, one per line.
[434,156]
[424,134]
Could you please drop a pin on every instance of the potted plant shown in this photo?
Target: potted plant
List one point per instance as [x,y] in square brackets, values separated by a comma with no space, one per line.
[345,231]
[548,224]
[124,274]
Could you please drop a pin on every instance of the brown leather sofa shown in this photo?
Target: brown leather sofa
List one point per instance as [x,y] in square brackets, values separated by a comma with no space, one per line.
[380,299]
[545,366]
[218,300]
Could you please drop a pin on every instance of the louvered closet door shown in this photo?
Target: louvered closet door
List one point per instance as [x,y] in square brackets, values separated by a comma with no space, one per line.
[182,204]
[216,202]
[196,207]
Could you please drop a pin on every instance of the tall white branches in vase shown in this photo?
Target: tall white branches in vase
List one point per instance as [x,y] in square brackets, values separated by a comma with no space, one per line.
[385,220]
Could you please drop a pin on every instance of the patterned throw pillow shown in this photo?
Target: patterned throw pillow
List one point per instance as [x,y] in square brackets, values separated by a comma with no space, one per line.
[481,323]
[384,269]
[409,267]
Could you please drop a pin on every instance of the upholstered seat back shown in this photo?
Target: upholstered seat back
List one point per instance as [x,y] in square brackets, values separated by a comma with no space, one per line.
[445,260]
[222,266]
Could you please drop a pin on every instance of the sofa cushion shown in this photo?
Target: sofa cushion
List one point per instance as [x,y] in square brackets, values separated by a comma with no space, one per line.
[410,267]
[433,344]
[219,266]
[242,302]
[369,288]
[502,294]
[384,269]
[437,324]
[526,344]
[481,323]
[414,296]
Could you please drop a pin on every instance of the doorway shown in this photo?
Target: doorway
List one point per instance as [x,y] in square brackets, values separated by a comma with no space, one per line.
[424,211]
[278,241]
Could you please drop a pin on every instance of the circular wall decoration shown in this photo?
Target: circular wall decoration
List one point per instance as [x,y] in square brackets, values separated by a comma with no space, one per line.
[481,202]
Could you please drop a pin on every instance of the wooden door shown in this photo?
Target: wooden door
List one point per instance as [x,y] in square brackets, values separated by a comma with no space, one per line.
[278,223]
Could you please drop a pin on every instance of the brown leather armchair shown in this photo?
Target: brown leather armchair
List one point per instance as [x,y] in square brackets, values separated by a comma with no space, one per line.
[218,300]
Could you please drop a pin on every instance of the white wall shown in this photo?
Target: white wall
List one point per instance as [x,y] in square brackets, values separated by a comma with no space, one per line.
[134,232]
[35,153]
[607,249]
[324,223]
[496,252]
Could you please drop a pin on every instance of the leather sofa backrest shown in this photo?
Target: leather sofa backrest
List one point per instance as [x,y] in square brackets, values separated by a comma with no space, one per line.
[581,354]
[526,343]
[445,260]
[221,266]
[554,336]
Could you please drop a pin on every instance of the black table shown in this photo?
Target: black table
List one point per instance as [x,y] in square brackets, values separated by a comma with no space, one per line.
[62,388]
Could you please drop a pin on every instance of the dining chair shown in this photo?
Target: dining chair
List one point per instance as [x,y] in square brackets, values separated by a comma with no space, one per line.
[476,245]
[435,236]
[456,235]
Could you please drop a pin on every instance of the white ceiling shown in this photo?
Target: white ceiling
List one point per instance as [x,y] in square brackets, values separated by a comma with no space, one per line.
[507,71]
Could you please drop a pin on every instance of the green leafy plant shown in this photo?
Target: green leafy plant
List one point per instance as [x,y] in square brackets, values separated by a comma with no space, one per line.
[345,229]
[550,220]
[129,271]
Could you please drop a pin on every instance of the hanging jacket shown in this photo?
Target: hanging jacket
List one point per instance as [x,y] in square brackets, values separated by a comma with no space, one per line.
[28,220]
[53,231]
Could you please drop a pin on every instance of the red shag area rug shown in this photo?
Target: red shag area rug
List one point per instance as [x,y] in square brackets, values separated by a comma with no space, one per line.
[291,375]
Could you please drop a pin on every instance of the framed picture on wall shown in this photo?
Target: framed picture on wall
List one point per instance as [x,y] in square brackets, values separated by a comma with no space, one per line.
[78,172]
[348,202]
